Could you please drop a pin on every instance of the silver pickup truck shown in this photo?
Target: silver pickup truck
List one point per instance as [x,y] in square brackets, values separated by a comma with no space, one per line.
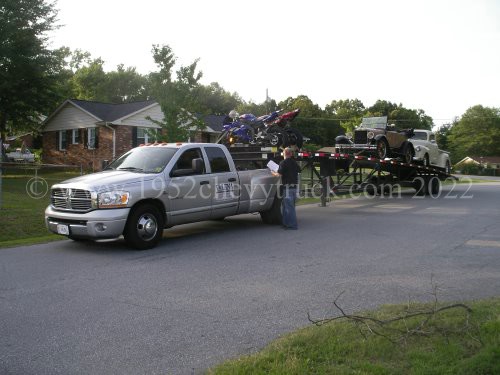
[158,186]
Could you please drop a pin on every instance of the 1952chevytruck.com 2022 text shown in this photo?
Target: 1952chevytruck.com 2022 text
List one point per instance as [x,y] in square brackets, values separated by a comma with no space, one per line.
[158,186]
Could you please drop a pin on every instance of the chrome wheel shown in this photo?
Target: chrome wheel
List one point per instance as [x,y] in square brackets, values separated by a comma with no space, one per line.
[147,227]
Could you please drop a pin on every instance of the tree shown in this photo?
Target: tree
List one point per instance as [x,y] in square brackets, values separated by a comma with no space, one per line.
[213,99]
[349,112]
[28,69]
[306,106]
[476,133]
[381,108]
[176,96]
[126,85]
[90,82]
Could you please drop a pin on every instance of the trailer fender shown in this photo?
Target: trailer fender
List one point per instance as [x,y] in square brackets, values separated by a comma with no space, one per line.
[342,140]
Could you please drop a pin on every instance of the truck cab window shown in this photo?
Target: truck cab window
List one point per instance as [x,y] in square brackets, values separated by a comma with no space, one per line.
[217,159]
[185,162]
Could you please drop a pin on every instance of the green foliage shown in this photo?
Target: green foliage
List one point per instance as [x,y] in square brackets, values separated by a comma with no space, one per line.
[321,131]
[306,106]
[28,69]
[213,99]
[454,344]
[177,97]
[476,133]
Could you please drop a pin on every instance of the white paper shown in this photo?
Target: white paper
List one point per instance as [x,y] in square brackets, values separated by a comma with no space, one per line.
[273,166]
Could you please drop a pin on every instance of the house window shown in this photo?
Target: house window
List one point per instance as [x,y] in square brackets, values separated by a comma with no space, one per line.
[62,140]
[91,138]
[145,136]
[75,136]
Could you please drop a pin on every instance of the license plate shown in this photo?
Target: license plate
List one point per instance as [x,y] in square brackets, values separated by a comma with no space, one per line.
[63,229]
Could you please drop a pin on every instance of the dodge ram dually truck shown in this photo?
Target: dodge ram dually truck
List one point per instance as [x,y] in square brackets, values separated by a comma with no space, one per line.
[157,186]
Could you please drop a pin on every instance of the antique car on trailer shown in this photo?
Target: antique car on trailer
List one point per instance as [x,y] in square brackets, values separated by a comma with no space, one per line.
[427,151]
[375,137]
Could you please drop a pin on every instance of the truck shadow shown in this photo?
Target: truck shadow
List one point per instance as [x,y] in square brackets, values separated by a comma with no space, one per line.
[183,237]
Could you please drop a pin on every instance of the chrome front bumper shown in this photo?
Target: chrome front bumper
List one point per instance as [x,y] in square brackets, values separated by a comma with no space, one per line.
[98,224]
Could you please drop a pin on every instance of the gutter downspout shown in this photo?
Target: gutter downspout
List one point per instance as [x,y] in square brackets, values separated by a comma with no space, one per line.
[106,124]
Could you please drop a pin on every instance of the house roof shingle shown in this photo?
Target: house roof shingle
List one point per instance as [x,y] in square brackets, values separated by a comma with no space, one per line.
[111,112]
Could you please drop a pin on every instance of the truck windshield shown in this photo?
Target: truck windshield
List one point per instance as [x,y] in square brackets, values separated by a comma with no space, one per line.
[149,159]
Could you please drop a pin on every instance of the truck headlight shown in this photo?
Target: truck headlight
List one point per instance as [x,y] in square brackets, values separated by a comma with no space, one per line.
[370,135]
[113,199]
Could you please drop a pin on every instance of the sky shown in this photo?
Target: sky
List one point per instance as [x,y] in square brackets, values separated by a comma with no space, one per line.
[437,55]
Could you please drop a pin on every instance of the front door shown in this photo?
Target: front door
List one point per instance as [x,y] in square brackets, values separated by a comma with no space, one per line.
[190,194]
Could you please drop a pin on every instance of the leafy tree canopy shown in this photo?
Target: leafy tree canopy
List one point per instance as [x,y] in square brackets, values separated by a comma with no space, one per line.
[28,69]
[476,133]
[177,97]
[306,106]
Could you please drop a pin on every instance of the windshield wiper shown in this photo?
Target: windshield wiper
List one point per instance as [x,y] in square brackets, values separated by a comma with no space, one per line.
[133,169]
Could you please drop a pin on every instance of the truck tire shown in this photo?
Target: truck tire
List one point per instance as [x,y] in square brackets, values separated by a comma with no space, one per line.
[273,215]
[144,228]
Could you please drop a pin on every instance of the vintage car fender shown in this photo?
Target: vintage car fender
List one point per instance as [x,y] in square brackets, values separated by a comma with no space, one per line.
[420,151]
[342,140]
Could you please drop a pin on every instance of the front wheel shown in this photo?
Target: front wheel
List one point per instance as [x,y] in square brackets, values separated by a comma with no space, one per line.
[382,148]
[408,154]
[144,228]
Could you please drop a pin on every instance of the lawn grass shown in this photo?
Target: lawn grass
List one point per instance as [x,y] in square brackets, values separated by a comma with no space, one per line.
[23,204]
[455,344]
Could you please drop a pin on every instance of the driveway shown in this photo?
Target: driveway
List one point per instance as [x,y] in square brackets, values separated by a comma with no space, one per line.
[215,290]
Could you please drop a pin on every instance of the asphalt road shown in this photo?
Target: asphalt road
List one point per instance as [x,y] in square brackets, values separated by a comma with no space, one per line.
[215,290]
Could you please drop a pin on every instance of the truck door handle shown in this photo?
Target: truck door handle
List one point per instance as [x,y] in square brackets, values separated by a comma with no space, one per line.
[204,182]
[232,179]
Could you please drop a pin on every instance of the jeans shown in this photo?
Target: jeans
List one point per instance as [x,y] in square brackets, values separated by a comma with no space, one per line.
[288,208]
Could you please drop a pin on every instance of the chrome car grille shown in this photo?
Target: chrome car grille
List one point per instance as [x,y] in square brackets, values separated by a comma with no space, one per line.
[71,199]
[360,137]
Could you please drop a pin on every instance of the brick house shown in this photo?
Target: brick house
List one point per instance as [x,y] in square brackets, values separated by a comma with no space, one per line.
[87,133]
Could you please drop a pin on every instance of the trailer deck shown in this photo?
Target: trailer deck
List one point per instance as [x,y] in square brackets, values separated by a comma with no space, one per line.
[334,173]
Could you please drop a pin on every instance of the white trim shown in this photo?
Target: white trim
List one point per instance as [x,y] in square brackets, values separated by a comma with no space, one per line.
[73,132]
[60,145]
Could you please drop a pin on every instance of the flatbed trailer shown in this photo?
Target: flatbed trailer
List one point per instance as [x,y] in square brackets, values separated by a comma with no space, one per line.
[333,173]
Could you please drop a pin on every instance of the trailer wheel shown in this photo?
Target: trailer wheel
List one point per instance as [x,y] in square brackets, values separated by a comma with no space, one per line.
[144,228]
[420,185]
[434,187]
[273,215]
[382,148]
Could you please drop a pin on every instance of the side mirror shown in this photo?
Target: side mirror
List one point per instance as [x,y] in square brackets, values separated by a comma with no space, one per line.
[197,166]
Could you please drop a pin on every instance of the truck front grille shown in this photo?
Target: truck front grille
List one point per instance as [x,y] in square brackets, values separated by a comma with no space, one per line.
[71,199]
[360,137]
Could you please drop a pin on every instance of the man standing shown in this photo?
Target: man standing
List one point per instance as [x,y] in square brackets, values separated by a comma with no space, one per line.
[289,171]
